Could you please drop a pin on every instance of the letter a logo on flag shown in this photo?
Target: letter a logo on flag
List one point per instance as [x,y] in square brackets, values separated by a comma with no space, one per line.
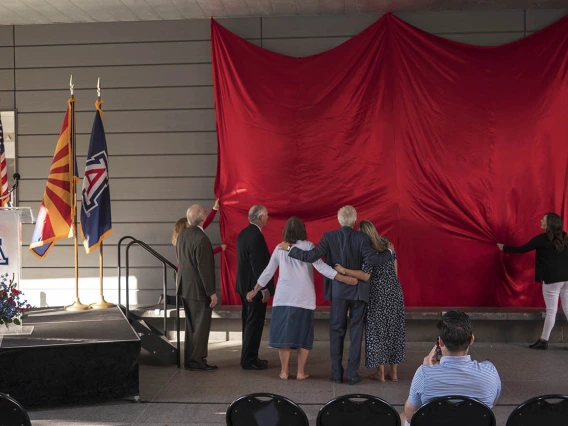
[96,222]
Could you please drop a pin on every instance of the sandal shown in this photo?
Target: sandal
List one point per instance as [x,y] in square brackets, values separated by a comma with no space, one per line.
[303,378]
[283,377]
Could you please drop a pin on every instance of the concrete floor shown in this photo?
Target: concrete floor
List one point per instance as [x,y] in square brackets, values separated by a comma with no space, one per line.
[175,397]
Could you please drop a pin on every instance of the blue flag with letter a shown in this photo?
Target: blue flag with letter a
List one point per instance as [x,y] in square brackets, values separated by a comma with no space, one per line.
[96,222]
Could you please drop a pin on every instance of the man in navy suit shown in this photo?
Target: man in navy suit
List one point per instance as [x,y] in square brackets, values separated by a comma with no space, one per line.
[344,246]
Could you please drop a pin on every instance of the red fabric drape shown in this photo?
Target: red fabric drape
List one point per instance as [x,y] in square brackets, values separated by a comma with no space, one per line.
[447,148]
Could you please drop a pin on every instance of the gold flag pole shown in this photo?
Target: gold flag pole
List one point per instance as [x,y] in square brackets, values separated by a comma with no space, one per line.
[77,306]
[102,303]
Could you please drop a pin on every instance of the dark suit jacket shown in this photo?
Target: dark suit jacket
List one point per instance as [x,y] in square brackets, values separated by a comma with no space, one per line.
[252,256]
[350,249]
[196,271]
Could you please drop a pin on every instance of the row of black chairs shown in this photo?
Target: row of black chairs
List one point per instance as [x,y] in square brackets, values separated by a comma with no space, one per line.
[265,409]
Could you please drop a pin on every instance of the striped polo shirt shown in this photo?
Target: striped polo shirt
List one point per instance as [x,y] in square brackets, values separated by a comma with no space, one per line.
[456,375]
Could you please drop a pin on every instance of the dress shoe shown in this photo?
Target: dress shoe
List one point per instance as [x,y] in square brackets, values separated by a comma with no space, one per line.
[354,380]
[262,361]
[336,379]
[254,366]
[539,344]
[201,367]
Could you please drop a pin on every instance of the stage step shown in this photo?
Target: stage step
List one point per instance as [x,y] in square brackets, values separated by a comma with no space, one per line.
[519,325]
[153,340]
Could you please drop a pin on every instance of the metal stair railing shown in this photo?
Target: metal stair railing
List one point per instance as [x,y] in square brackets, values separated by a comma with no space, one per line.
[165,264]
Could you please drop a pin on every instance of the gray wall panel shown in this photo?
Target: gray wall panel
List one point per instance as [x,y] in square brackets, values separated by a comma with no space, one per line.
[149,211]
[315,26]
[117,76]
[462,21]
[7,55]
[7,80]
[151,233]
[63,256]
[118,99]
[6,35]
[6,100]
[113,54]
[484,39]
[301,47]
[173,188]
[125,144]
[47,123]
[540,18]
[183,52]
[117,32]
[134,167]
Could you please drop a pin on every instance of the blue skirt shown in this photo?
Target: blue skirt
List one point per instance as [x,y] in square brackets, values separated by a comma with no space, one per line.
[291,327]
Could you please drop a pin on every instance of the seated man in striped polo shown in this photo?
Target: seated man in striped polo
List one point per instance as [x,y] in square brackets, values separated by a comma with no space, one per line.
[456,373]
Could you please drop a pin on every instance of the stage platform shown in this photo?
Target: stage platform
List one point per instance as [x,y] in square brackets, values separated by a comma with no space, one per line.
[71,357]
[494,324]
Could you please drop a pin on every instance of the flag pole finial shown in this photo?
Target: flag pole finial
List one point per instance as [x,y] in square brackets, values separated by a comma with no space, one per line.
[71,85]
[99,88]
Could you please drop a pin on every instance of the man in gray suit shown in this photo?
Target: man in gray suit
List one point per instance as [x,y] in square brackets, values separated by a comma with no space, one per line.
[344,246]
[196,286]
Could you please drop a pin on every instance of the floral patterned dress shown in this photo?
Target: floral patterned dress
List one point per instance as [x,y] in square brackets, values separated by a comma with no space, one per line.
[385,328]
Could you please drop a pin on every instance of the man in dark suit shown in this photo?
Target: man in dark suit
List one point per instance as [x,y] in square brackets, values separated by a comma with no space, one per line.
[344,246]
[253,256]
[196,286]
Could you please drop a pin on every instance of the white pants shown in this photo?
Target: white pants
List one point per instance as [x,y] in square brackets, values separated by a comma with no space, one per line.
[551,293]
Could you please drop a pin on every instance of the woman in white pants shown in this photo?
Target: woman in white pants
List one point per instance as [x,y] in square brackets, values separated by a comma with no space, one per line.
[551,268]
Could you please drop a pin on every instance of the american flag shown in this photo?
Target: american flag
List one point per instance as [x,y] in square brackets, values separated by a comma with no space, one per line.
[3,169]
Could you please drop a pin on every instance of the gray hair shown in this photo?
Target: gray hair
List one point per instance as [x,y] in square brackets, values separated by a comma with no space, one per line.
[255,212]
[195,215]
[347,216]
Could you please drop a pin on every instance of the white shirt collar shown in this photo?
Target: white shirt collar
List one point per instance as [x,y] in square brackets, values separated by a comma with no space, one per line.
[200,227]
[256,226]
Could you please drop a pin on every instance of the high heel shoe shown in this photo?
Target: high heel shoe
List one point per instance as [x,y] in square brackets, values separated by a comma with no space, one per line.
[539,344]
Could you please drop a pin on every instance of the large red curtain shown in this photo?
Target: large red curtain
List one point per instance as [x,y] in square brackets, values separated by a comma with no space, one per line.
[447,148]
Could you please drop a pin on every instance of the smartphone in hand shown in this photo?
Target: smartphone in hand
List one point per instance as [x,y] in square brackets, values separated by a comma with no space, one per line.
[438,351]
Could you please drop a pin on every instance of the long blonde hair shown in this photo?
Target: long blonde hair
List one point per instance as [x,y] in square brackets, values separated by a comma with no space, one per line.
[180,225]
[377,242]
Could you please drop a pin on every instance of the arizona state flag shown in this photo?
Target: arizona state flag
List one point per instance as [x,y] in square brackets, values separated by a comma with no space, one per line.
[96,222]
[57,211]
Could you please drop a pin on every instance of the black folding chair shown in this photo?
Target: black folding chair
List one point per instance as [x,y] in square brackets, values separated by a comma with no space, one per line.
[452,411]
[541,410]
[358,410]
[12,413]
[265,409]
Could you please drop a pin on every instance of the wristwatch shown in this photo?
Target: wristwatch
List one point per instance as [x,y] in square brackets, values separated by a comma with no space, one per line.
[289,247]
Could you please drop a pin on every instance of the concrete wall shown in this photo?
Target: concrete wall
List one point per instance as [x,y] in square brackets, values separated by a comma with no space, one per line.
[160,120]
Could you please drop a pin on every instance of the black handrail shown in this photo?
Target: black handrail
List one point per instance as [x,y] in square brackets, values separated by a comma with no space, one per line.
[165,263]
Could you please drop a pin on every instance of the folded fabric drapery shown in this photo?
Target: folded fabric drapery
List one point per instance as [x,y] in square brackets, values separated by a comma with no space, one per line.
[447,148]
